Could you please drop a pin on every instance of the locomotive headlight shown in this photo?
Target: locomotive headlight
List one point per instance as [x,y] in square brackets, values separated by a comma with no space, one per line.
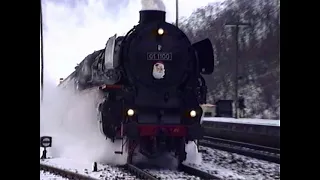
[193,113]
[130,112]
[160,31]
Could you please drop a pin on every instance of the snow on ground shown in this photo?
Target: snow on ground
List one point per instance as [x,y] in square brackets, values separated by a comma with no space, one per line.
[231,166]
[49,176]
[166,165]
[264,122]
[171,174]
[228,166]
[85,168]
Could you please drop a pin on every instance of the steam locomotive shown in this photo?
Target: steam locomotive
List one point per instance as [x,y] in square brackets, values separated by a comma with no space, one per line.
[152,84]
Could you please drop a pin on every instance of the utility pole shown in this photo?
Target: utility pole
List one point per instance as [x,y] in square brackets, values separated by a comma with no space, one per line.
[41,51]
[177,13]
[237,25]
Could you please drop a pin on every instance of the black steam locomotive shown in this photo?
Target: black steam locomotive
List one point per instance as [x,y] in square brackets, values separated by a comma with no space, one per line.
[152,86]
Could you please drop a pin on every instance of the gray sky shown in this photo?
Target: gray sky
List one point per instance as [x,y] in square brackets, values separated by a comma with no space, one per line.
[75,28]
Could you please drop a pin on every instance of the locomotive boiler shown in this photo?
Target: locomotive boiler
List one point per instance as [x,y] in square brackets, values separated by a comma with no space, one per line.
[152,84]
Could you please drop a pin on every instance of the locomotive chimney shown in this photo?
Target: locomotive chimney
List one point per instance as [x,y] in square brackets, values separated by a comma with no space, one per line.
[148,16]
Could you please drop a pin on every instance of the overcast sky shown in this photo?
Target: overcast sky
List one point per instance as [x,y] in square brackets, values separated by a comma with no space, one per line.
[75,28]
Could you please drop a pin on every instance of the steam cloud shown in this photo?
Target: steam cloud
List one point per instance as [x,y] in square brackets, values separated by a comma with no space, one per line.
[71,119]
[153,5]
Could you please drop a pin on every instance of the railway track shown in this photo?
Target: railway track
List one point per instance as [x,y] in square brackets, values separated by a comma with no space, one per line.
[246,149]
[185,172]
[65,173]
[191,172]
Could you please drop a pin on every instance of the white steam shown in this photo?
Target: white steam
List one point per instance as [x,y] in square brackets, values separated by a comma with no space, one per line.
[153,5]
[71,119]
[193,156]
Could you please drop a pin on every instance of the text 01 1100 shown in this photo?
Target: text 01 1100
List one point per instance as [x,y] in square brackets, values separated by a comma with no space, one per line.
[157,56]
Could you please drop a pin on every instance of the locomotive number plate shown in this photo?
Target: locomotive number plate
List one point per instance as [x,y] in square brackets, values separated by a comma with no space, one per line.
[159,56]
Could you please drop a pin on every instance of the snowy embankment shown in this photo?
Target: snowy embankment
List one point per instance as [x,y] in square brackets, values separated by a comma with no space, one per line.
[86,168]
[231,166]
[50,176]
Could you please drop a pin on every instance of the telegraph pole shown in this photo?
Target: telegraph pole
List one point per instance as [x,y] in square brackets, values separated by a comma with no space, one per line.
[41,51]
[237,25]
[177,13]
